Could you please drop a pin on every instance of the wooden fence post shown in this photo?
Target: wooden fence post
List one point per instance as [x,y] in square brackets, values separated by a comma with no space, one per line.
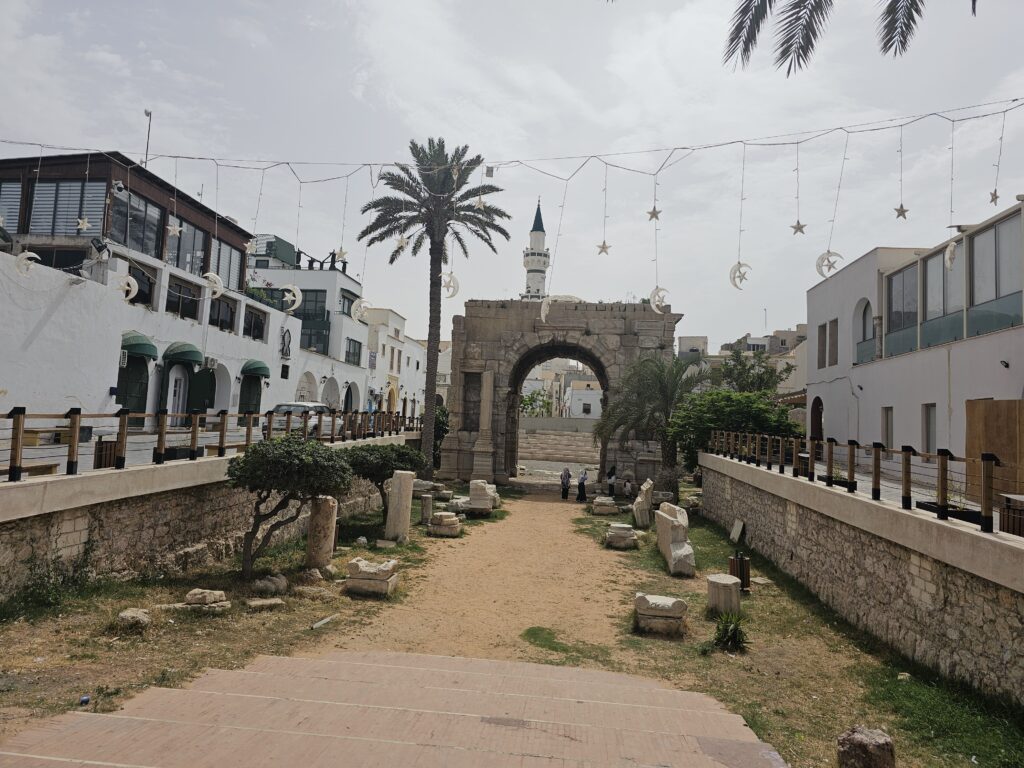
[796,457]
[757,449]
[768,452]
[287,423]
[270,424]
[812,447]
[161,436]
[17,416]
[782,455]
[830,446]
[876,470]
[222,433]
[989,461]
[942,489]
[334,423]
[121,449]
[193,445]
[248,428]
[74,417]
[905,476]
[851,465]
[305,425]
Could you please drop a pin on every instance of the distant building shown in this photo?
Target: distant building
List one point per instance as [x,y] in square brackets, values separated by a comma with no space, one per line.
[397,365]
[582,400]
[536,260]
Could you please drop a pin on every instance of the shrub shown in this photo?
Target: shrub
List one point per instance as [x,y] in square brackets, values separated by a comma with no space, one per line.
[298,471]
[729,633]
[377,463]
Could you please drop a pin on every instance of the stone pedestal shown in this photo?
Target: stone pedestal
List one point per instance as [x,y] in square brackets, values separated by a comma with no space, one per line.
[862,747]
[399,506]
[426,508]
[604,505]
[673,528]
[621,536]
[642,505]
[445,524]
[320,535]
[660,615]
[483,498]
[371,579]
[483,448]
[723,593]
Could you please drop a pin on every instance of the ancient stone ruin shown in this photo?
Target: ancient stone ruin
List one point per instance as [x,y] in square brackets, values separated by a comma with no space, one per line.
[604,505]
[371,579]
[399,506]
[660,615]
[642,505]
[723,593]
[445,524]
[621,536]
[673,527]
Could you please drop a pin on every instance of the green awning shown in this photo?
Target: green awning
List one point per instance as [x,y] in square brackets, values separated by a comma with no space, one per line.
[135,343]
[256,368]
[183,352]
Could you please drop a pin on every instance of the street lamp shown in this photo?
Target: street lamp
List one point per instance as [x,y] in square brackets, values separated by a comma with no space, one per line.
[149,127]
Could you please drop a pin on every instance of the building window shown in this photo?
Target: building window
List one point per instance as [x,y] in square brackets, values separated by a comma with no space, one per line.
[867,323]
[183,299]
[314,340]
[996,255]
[417,365]
[928,427]
[586,408]
[253,324]
[222,314]
[136,223]
[187,250]
[58,205]
[833,342]
[399,362]
[822,345]
[887,438]
[262,264]
[353,351]
[314,305]
[902,299]
[10,205]
[227,263]
[144,296]
[346,304]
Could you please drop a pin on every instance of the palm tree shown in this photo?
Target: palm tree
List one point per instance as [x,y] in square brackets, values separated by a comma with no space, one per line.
[431,201]
[650,390]
[801,22]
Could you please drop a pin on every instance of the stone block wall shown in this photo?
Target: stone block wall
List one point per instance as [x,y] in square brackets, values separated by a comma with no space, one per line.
[165,532]
[966,627]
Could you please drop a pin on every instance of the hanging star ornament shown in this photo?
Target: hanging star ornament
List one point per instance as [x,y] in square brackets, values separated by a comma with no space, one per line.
[993,197]
[479,204]
[901,212]
[174,230]
[341,254]
[402,242]
[83,224]
[1,221]
[798,228]
[603,247]
[654,214]
[250,245]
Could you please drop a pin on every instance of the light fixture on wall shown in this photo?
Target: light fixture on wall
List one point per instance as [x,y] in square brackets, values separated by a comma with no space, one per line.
[238,379]
[1004,364]
[323,379]
[266,383]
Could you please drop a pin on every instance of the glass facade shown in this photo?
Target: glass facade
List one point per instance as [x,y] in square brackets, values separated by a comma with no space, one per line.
[136,223]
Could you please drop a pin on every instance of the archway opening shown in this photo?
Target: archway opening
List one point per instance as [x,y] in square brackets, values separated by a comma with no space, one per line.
[133,387]
[331,396]
[306,390]
[351,398]
[817,419]
[556,394]
[392,400]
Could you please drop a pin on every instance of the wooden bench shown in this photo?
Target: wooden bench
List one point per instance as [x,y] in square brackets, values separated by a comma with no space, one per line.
[33,470]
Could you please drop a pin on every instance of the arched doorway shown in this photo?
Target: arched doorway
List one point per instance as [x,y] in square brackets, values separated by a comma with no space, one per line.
[817,419]
[351,398]
[202,390]
[306,390]
[392,400]
[222,390]
[331,396]
[405,406]
[137,350]
[250,393]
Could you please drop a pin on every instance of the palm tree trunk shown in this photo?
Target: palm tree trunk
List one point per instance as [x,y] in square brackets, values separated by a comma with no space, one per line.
[433,347]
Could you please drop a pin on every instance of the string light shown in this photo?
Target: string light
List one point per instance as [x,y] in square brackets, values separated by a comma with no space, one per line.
[901,211]
[798,228]
[738,271]
[603,247]
[994,194]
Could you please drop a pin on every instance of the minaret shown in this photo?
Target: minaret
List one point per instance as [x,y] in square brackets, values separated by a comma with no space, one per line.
[536,260]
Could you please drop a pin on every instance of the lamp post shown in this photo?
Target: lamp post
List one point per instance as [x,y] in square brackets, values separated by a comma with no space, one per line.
[149,127]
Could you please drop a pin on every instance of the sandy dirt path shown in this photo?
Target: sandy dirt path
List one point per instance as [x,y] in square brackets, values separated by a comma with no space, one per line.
[477,594]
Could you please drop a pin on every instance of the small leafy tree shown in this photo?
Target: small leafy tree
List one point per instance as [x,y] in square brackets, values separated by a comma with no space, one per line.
[293,469]
[753,373]
[701,412]
[441,430]
[377,463]
[536,403]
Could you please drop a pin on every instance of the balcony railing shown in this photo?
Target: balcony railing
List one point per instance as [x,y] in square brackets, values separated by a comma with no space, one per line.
[865,351]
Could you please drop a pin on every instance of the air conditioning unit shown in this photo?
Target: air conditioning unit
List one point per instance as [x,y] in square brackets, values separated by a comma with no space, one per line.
[123,363]
[209,362]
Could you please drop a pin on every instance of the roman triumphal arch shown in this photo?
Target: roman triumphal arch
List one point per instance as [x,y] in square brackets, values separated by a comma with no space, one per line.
[496,344]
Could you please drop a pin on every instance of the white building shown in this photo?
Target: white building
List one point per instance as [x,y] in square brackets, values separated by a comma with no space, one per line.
[72,339]
[582,400]
[901,338]
[397,365]
[536,260]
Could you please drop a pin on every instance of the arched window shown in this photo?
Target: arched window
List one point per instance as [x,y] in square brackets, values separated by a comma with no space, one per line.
[867,323]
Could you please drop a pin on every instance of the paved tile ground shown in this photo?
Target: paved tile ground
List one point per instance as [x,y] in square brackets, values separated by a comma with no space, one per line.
[396,709]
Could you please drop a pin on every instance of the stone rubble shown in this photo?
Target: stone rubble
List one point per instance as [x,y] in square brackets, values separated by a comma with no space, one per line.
[444,524]
[723,593]
[308,576]
[371,579]
[483,499]
[861,747]
[604,505]
[133,621]
[313,593]
[258,604]
[642,505]
[268,586]
[660,614]
[205,596]
[673,529]
[621,536]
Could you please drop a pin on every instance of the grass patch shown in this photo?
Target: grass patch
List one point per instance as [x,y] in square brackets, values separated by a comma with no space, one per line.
[570,653]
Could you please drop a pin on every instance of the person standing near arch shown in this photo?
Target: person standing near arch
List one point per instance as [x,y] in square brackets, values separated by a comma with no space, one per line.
[581,485]
[611,481]
[566,479]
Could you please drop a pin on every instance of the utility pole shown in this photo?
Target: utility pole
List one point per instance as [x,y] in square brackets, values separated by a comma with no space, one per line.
[149,127]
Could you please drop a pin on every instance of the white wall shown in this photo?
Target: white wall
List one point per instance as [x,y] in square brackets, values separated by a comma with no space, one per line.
[576,398]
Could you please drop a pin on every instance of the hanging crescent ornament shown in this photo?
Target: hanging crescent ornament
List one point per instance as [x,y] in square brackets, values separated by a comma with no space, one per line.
[450,283]
[216,284]
[545,305]
[359,309]
[950,256]
[130,286]
[738,274]
[826,263]
[293,295]
[657,298]
[23,264]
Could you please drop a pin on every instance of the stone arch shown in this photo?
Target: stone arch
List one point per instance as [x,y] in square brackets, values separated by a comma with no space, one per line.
[307,391]
[392,402]
[351,401]
[817,431]
[222,392]
[331,395]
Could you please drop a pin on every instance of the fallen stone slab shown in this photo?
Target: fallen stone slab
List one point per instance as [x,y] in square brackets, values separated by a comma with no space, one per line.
[660,614]
[363,569]
[313,593]
[371,587]
[673,529]
[621,536]
[204,596]
[385,544]
[861,747]
[604,505]
[258,604]
[133,621]
[208,608]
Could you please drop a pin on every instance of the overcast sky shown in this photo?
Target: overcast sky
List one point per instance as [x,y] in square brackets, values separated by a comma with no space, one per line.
[354,81]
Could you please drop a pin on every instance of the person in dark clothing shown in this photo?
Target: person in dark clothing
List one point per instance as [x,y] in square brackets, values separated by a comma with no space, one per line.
[566,479]
[611,481]
[581,485]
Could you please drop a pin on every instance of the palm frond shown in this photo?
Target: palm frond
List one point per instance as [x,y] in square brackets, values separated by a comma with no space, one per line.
[799,26]
[745,28]
[897,25]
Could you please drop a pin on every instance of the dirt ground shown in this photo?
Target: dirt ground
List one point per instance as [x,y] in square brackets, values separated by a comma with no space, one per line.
[478,594]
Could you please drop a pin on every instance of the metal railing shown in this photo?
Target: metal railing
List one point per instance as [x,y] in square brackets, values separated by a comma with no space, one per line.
[964,488]
[38,449]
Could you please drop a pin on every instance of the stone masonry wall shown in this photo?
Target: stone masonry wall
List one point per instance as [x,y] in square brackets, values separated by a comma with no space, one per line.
[966,627]
[159,533]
